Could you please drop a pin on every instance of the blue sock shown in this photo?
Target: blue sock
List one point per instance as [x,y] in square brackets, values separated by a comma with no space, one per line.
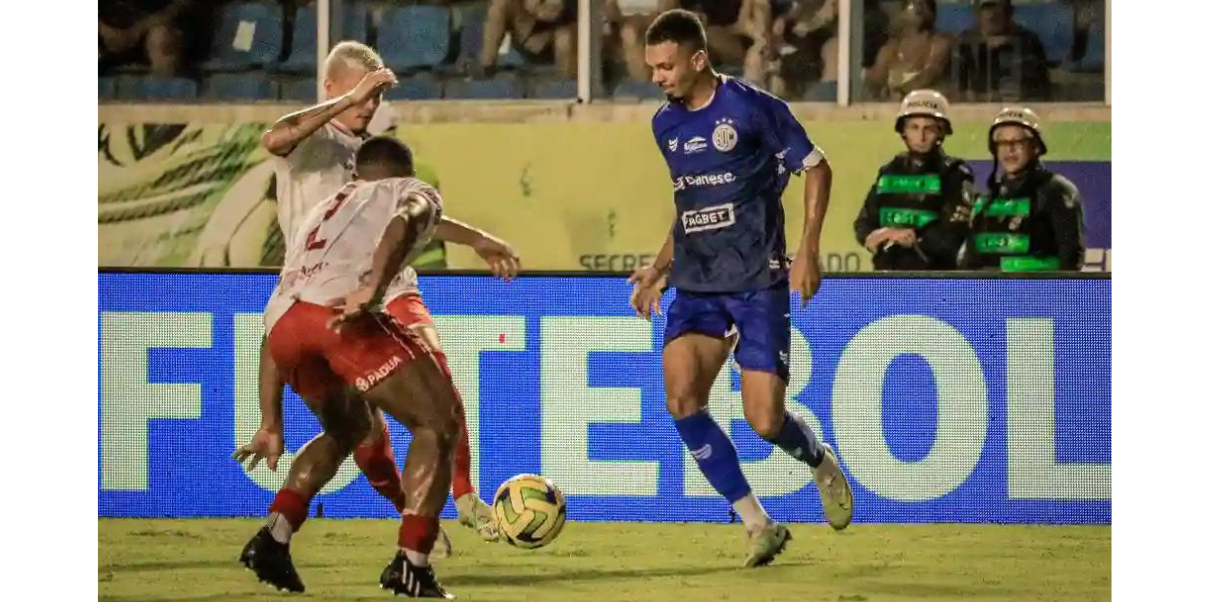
[715,455]
[798,440]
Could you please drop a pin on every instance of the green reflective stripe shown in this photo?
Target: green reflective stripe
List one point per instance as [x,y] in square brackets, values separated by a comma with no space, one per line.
[979,204]
[1008,208]
[1004,243]
[915,218]
[1029,263]
[922,184]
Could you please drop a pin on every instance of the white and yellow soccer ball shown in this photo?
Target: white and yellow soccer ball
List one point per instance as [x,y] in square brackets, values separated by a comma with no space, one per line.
[530,511]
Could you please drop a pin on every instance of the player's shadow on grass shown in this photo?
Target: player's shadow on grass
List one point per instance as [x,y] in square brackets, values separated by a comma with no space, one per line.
[213,563]
[597,575]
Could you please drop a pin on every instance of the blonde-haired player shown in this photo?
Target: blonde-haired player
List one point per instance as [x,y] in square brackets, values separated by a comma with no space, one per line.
[314,151]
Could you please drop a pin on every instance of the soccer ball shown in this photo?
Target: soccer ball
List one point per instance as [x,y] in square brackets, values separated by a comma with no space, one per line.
[530,511]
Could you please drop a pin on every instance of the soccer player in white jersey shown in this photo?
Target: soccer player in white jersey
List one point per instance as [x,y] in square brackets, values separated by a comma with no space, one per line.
[330,342]
[313,153]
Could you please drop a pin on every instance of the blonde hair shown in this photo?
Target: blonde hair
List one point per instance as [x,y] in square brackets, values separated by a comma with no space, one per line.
[351,54]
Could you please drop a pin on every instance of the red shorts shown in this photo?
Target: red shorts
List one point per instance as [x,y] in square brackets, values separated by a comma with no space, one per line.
[319,362]
[409,310]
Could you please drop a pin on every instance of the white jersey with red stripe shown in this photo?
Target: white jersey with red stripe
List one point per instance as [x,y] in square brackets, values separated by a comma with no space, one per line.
[332,253]
[311,173]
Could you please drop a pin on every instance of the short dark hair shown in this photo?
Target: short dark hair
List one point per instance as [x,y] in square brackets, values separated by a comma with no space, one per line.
[386,155]
[931,6]
[678,26]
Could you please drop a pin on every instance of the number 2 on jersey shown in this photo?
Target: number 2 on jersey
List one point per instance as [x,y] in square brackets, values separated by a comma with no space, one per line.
[313,241]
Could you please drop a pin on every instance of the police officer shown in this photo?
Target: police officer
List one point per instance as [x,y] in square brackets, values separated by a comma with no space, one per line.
[1032,219]
[915,215]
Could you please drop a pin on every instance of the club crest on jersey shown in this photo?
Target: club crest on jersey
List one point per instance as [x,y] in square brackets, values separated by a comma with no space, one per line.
[725,135]
[673,144]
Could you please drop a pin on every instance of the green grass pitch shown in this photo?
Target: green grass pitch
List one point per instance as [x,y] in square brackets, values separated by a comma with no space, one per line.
[340,560]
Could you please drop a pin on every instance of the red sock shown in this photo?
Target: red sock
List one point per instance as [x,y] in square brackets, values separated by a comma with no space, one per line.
[377,461]
[418,533]
[292,505]
[461,465]
[461,454]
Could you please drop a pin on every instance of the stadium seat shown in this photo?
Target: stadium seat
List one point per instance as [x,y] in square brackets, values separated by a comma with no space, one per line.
[468,21]
[161,88]
[503,85]
[632,90]
[1093,53]
[954,17]
[822,92]
[241,86]
[304,47]
[107,88]
[298,90]
[567,89]
[1054,23]
[249,35]
[354,24]
[420,86]
[510,57]
[410,37]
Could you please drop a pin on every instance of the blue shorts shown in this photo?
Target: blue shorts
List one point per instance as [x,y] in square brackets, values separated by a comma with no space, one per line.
[761,317]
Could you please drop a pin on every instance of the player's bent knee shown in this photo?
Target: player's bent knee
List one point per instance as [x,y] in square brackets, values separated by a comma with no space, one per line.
[682,406]
[316,463]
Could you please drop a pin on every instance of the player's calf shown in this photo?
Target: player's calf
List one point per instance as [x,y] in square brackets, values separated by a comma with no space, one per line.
[719,462]
[793,436]
[797,439]
[376,459]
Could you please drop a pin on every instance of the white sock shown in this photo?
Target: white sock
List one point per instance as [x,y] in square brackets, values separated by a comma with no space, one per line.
[279,528]
[416,558]
[752,512]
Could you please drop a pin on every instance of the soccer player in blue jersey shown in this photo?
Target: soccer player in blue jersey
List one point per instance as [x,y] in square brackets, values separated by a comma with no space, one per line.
[730,148]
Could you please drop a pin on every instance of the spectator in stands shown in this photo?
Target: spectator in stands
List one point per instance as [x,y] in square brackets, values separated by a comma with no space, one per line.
[806,47]
[878,16]
[628,20]
[143,30]
[998,59]
[544,30]
[915,58]
[738,31]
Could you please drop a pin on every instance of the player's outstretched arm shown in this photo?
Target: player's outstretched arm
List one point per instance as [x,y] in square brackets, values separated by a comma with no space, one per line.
[268,443]
[498,254]
[291,130]
[414,217]
[806,272]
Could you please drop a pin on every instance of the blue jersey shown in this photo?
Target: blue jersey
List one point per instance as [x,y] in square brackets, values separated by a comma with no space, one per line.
[730,161]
